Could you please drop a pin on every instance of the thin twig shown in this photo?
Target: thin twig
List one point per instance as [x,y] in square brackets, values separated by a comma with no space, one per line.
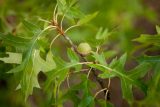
[53,40]
[54,13]
[89,72]
[62,21]
[56,17]
[109,82]
[40,19]
[84,70]
[68,80]
[107,91]
[70,28]
[99,92]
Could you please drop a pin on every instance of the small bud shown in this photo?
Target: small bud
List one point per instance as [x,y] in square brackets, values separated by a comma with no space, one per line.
[84,48]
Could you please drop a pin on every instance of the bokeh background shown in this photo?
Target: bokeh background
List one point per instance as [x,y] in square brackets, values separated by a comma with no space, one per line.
[127,19]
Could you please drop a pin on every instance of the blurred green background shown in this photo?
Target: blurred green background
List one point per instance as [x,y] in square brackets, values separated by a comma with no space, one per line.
[127,19]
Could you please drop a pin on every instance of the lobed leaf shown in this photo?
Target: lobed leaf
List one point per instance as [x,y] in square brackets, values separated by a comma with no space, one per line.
[128,80]
[42,65]
[32,63]
[12,58]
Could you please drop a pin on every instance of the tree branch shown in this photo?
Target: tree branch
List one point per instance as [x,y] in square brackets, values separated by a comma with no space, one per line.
[74,47]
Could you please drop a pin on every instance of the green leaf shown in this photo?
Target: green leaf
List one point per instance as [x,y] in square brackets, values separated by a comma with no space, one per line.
[70,95]
[12,58]
[63,2]
[13,40]
[72,56]
[102,34]
[116,64]
[17,69]
[87,101]
[74,59]
[127,81]
[101,37]
[31,27]
[62,6]
[74,12]
[87,18]
[122,61]
[60,72]
[106,74]
[29,69]
[100,58]
[110,53]
[1,25]
[29,79]
[30,72]
[126,89]
[140,70]
[146,58]
[149,39]
[84,87]
[103,103]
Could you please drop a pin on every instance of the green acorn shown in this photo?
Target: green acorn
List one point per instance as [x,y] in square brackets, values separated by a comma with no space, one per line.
[84,48]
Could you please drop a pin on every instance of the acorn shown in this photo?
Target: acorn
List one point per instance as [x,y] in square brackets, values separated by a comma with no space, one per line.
[84,48]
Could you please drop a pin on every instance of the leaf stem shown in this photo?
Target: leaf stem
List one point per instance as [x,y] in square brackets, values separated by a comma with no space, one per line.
[53,40]
[89,72]
[70,28]
[54,13]
[99,92]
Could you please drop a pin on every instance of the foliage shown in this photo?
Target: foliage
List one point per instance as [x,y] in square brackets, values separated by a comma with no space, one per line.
[49,46]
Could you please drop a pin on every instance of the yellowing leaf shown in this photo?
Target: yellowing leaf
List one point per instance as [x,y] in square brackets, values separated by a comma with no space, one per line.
[158,29]
[12,58]
[42,65]
[32,63]
[32,67]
